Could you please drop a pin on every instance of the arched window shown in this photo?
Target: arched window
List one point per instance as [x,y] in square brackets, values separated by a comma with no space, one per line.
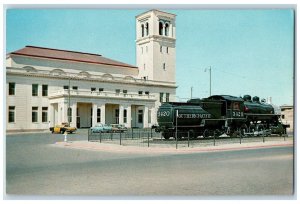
[161,28]
[167,29]
[147,29]
[142,30]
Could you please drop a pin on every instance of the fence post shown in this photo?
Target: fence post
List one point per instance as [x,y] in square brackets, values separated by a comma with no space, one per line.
[214,139]
[148,139]
[120,139]
[263,137]
[111,135]
[151,132]
[88,135]
[100,136]
[240,137]
[188,138]
[131,133]
[139,133]
[284,137]
[176,139]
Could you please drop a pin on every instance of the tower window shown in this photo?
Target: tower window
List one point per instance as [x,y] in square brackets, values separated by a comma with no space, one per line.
[142,30]
[11,114]
[164,66]
[161,28]
[147,29]
[11,88]
[167,29]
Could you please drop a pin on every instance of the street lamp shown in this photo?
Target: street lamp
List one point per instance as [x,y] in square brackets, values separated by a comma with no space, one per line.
[209,78]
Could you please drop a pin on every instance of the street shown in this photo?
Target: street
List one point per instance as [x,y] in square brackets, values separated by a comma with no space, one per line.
[35,167]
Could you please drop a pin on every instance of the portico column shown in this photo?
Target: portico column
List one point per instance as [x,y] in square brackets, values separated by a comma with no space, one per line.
[153,116]
[146,117]
[128,124]
[94,114]
[102,113]
[51,115]
[121,114]
[64,112]
[74,116]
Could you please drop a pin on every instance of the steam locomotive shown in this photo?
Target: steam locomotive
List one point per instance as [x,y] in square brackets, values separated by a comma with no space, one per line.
[218,115]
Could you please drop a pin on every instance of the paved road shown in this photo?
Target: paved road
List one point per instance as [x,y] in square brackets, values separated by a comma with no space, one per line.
[34,167]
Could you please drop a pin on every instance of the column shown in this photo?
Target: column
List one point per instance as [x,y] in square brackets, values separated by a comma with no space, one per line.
[51,115]
[94,114]
[121,114]
[74,116]
[102,113]
[146,117]
[64,112]
[128,124]
[153,116]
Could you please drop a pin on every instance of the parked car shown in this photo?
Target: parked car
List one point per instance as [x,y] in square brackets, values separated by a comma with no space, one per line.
[118,128]
[99,127]
[64,127]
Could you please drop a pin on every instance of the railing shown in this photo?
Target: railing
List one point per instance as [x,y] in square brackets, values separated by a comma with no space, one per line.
[106,94]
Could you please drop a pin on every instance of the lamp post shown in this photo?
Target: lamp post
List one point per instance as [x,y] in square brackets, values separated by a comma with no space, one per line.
[209,79]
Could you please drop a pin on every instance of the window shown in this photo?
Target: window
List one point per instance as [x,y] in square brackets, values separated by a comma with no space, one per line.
[11,88]
[164,66]
[75,87]
[147,92]
[101,89]
[140,92]
[167,97]
[124,91]
[125,116]
[93,89]
[98,115]
[161,49]
[118,91]
[282,116]
[34,114]
[142,30]
[160,28]
[147,29]
[167,49]
[11,114]
[35,89]
[66,87]
[44,90]
[44,114]
[69,114]
[140,116]
[161,97]
[167,29]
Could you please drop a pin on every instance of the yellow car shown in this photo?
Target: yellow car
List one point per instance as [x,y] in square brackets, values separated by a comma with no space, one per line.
[63,128]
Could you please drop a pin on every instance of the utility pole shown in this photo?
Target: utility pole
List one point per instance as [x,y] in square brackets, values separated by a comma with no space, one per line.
[209,79]
[69,112]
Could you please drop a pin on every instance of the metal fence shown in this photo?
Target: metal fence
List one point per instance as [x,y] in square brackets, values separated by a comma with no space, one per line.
[149,138]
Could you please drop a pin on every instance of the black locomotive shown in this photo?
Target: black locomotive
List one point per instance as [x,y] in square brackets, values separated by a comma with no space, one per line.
[217,115]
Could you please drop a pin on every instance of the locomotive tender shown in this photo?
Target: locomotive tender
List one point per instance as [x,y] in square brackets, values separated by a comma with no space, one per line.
[216,115]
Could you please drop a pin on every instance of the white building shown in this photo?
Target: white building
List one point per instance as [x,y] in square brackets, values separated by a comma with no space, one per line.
[54,86]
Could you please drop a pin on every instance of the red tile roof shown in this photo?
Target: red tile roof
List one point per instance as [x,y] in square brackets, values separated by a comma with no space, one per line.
[49,53]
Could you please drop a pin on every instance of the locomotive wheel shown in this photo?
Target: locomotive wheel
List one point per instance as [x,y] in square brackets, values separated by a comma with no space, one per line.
[206,133]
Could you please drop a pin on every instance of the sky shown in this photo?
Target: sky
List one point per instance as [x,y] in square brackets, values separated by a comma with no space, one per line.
[249,51]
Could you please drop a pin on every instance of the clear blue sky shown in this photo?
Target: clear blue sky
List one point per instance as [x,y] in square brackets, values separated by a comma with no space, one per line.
[250,51]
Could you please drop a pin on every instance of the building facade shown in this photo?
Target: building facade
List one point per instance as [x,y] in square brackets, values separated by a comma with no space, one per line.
[48,86]
[287,117]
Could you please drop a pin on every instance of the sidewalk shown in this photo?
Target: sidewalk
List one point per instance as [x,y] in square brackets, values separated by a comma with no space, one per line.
[96,146]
